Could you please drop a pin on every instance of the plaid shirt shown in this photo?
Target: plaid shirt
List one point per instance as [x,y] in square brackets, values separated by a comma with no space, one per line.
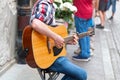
[44,11]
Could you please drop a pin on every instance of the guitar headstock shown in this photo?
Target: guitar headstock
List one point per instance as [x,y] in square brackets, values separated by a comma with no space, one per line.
[90,31]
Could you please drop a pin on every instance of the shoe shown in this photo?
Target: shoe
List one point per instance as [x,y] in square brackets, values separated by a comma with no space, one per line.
[77,58]
[111,18]
[99,26]
[91,52]
[77,51]
[92,48]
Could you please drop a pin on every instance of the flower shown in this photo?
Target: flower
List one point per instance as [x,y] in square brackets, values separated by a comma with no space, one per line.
[59,1]
[68,5]
[64,10]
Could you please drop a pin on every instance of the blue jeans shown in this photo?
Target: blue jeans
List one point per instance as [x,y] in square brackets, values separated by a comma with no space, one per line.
[83,25]
[113,3]
[71,71]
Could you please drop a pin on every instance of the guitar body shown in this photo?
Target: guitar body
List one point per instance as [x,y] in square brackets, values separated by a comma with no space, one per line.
[39,55]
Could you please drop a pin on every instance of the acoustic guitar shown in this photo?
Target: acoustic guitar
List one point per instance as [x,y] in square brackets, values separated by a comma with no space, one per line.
[41,50]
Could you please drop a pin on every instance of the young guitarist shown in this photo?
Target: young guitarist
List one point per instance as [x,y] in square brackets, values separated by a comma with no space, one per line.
[42,16]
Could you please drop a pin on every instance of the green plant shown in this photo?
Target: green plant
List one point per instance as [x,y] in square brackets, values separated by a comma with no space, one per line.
[64,10]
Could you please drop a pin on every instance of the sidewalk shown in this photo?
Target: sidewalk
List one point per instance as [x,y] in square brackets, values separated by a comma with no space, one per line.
[104,65]
[20,72]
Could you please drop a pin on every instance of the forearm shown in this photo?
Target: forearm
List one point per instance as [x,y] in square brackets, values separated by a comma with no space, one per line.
[43,28]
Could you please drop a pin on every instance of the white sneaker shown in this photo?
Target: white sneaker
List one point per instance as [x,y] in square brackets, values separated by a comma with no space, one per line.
[77,51]
[91,52]
[76,58]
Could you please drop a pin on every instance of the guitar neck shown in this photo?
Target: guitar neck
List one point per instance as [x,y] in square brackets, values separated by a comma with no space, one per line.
[80,35]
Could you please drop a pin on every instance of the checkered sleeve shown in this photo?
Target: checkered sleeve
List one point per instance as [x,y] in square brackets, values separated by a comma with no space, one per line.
[41,11]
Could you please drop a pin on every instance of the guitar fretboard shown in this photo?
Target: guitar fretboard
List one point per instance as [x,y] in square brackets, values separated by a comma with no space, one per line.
[80,35]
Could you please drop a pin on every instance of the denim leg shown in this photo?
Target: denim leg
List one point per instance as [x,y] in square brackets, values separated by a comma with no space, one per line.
[84,43]
[113,6]
[88,45]
[71,71]
[108,4]
[85,47]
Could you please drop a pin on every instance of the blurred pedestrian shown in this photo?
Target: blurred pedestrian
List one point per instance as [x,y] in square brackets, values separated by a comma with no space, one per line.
[83,21]
[102,9]
[96,5]
[113,4]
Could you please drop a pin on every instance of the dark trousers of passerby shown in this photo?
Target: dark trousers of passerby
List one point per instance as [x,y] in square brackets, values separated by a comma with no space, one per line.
[113,4]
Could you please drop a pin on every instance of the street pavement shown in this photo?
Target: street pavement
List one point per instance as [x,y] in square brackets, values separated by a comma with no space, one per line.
[104,64]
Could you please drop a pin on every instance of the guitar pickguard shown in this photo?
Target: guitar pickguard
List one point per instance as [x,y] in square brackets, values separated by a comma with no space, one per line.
[57,51]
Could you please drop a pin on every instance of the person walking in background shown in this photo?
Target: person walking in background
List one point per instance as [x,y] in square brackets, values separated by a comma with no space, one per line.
[102,9]
[96,5]
[83,21]
[42,17]
[113,4]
